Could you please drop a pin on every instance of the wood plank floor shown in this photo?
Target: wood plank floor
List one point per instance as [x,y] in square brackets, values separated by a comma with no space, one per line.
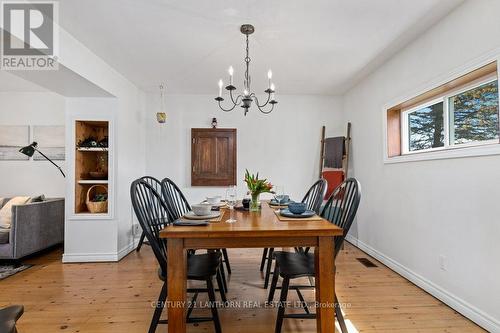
[117,297]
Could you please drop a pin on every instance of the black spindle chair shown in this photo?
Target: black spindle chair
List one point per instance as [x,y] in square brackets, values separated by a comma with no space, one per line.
[340,209]
[179,206]
[313,199]
[153,215]
[156,185]
[9,317]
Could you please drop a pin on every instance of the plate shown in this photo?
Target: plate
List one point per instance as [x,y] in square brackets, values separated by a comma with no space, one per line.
[192,216]
[307,213]
[219,204]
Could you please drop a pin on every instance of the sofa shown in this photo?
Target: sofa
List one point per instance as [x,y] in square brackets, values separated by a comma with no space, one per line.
[35,227]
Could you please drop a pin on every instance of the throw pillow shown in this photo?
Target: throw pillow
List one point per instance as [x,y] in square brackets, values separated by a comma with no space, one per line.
[39,198]
[6,211]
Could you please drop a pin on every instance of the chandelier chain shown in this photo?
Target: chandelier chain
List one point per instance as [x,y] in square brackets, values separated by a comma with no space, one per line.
[247,61]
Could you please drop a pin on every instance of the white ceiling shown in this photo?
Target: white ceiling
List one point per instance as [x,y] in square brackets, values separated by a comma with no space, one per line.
[313,47]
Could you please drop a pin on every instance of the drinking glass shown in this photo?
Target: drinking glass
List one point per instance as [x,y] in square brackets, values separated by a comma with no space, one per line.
[279,194]
[231,202]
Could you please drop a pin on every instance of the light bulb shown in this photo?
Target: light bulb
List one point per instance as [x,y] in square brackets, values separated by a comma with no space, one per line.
[273,87]
[269,74]
[245,92]
[220,88]
[231,71]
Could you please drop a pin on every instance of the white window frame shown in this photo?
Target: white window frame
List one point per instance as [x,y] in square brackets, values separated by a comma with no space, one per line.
[405,135]
[448,145]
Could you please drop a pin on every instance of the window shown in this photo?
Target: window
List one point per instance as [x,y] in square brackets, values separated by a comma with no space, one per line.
[474,114]
[460,113]
[425,127]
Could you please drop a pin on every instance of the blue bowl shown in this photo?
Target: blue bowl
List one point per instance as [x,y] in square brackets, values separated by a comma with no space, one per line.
[297,207]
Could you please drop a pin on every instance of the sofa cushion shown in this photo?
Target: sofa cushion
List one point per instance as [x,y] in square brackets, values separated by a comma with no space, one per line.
[39,198]
[4,236]
[6,211]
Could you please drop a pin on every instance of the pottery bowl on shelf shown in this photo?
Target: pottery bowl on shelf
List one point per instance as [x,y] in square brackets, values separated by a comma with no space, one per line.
[98,174]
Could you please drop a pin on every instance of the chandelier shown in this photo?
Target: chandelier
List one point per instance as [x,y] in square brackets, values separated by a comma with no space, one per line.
[247,97]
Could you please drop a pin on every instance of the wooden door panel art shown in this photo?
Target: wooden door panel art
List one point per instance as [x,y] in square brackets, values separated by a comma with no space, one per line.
[213,157]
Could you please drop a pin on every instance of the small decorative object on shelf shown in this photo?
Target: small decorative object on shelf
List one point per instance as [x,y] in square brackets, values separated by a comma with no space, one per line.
[256,186]
[214,122]
[91,142]
[161,117]
[97,202]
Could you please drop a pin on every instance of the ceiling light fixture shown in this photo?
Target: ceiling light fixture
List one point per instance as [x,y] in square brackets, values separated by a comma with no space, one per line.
[246,98]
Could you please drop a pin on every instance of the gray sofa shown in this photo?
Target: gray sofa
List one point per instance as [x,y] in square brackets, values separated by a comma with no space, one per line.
[35,226]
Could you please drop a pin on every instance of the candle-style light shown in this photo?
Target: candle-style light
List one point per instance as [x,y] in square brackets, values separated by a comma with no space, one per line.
[231,72]
[247,97]
[220,87]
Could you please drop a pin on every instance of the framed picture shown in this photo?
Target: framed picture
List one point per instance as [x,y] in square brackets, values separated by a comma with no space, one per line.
[50,141]
[13,138]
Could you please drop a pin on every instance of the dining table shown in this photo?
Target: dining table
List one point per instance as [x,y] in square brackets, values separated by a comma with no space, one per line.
[252,230]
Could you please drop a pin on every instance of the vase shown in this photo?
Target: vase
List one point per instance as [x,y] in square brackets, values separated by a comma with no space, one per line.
[255,203]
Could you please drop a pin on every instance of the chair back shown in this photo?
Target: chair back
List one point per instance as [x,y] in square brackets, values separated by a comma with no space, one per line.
[153,182]
[152,213]
[314,196]
[341,208]
[175,199]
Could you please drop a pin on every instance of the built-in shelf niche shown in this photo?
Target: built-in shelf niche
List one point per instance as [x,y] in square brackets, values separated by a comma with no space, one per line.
[90,160]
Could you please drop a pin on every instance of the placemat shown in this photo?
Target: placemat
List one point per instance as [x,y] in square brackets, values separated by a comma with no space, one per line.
[288,219]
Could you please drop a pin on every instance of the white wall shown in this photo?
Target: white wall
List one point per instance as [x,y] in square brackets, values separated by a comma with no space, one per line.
[411,213]
[85,241]
[282,146]
[31,177]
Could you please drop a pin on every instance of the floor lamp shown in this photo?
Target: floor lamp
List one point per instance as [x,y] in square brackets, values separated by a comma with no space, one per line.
[30,150]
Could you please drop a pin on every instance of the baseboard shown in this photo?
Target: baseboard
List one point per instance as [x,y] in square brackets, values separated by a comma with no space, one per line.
[89,257]
[128,248]
[479,317]
[100,257]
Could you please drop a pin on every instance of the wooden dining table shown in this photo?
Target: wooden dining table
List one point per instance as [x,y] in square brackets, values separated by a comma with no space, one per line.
[252,230]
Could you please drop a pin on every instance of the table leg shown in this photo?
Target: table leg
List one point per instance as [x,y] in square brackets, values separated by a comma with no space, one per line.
[177,284]
[325,285]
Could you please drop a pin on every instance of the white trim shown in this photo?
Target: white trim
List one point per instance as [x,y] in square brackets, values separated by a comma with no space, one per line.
[468,310]
[100,257]
[89,257]
[128,248]
[439,154]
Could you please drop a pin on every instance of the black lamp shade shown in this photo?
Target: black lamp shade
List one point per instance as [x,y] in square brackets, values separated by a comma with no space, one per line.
[28,150]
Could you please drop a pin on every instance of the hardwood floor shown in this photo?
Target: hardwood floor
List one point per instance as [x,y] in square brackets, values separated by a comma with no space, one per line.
[117,297]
